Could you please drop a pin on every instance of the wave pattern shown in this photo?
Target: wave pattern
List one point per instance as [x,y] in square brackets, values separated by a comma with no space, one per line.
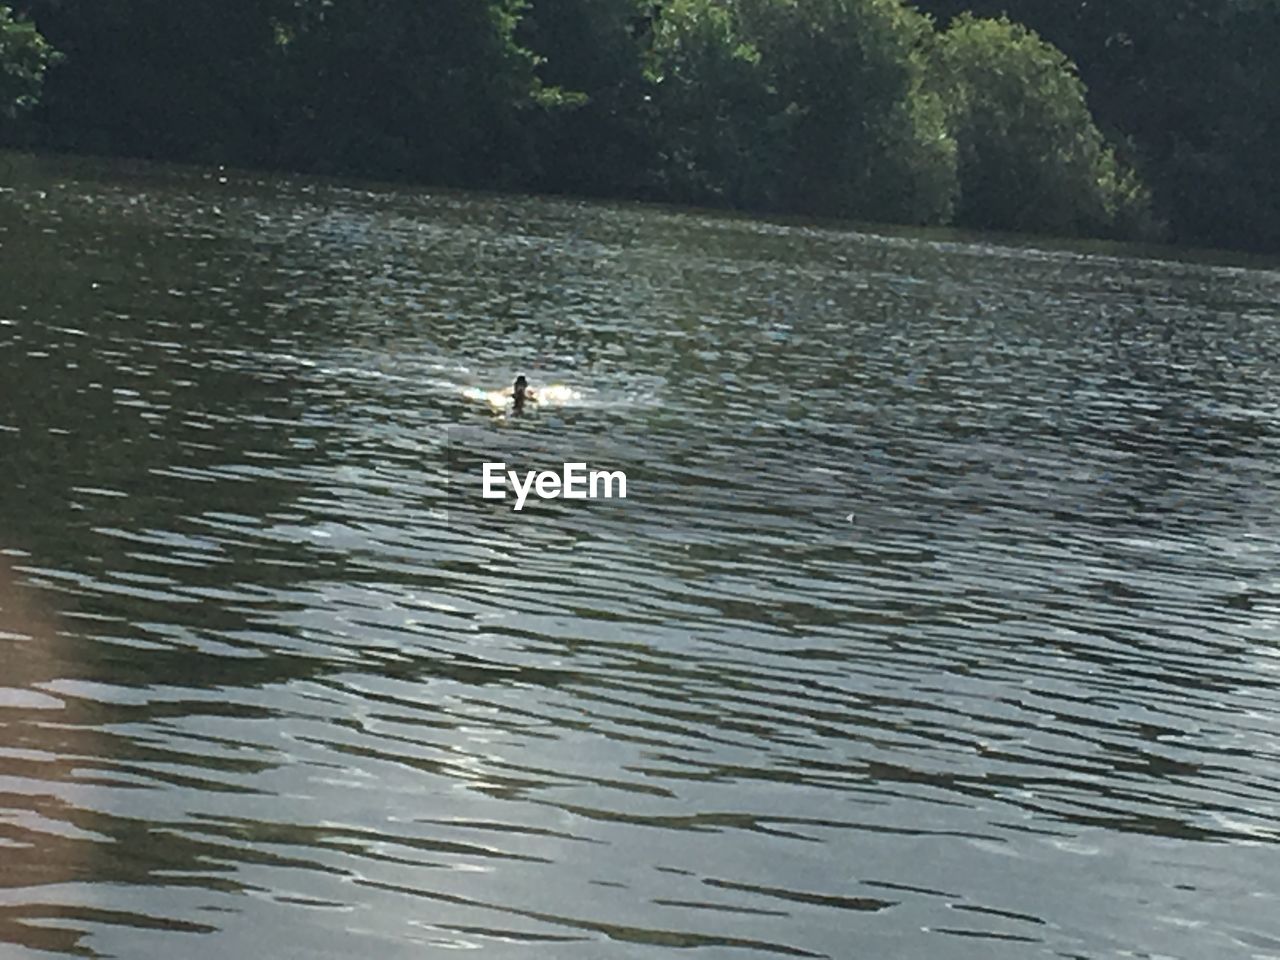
[940,619]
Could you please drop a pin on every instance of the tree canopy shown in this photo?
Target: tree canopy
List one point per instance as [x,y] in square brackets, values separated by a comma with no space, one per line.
[816,106]
[25,55]
[1031,157]
[1189,93]
[1061,117]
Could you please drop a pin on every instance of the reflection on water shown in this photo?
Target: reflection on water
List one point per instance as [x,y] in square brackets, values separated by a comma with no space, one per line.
[940,619]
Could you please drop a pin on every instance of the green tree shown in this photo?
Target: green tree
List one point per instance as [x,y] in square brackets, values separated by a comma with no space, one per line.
[155,78]
[818,106]
[1031,156]
[598,142]
[25,56]
[720,128]
[435,90]
[1189,91]
[1215,136]
[432,89]
[867,137]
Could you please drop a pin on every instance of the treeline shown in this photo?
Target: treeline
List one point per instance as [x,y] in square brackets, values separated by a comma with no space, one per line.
[1188,90]
[950,113]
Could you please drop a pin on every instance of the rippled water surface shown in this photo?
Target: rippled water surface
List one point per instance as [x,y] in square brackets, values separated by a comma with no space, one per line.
[940,621]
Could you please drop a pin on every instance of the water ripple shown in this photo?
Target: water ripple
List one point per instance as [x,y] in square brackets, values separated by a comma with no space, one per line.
[940,619]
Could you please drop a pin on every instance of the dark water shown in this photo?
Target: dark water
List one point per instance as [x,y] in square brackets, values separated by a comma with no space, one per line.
[941,619]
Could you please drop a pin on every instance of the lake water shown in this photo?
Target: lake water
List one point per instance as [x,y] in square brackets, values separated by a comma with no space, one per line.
[941,620]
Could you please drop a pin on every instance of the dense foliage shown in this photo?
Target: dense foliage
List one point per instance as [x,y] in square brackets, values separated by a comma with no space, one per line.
[1031,157]
[25,55]
[1188,90]
[862,108]
[749,110]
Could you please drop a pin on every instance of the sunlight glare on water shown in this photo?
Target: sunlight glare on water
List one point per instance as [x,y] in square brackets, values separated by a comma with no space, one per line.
[940,619]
